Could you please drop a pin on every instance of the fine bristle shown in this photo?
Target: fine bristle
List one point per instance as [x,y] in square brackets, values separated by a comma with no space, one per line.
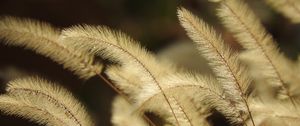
[44,39]
[230,73]
[271,64]
[120,48]
[43,102]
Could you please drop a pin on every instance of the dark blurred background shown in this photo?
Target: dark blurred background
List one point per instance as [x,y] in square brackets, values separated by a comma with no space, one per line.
[152,22]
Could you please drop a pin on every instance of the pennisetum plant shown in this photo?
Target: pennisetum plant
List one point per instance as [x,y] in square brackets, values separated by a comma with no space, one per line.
[257,86]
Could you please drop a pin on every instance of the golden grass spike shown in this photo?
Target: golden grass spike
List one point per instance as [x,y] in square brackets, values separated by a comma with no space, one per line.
[193,86]
[289,8]
[152,100]
[44,39]
[118,47]
[122,114]
[45,97]
[239,19]
[133,87]
[230,73]
[11,106]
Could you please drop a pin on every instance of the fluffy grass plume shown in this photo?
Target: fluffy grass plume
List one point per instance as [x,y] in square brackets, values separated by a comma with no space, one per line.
[230,73]
[262,49]
[43,102]
[118,47]
[45,40]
